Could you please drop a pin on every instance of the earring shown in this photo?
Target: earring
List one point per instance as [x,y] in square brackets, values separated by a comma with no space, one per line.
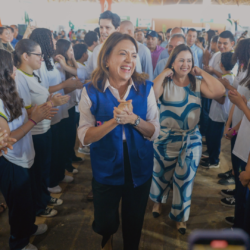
[172,67]
[107,66]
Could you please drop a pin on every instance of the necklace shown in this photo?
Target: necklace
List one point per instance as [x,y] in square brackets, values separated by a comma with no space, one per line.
[123,94]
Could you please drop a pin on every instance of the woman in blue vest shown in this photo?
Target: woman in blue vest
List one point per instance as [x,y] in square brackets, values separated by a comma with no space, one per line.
[121,147]
[177,151]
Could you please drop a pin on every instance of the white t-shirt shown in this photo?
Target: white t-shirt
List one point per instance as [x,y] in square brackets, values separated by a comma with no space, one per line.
[32,92]
[90,54]
[219,112]
[211,61]
[242,144]
[72,100]
[52,78]
[79,91]
[23,152]
[238,78]
[238,114]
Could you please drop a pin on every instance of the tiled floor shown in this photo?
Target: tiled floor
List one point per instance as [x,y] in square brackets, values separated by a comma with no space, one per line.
[71,228]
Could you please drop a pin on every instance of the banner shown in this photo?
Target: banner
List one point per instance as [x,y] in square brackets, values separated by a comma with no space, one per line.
[26,18]
[105,5]
[71,25]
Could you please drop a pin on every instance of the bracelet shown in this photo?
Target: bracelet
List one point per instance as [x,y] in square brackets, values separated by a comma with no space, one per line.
[23,131]
[33,121]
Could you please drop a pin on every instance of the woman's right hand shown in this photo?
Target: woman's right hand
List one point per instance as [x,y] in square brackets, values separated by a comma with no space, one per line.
[42,112]
[61,60]
[168,73]
[59,100]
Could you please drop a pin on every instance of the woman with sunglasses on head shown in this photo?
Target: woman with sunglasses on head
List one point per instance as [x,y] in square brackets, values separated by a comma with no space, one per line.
[51,79]
[65,51]
[177,151]
[28,58]
[17,181]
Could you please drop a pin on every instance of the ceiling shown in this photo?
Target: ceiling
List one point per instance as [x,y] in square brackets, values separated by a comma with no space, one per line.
[166,2]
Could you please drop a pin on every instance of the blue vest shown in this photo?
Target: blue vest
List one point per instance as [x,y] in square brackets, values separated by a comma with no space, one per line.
[107,154]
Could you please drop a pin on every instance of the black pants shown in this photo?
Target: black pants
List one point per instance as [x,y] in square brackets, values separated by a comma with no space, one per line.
[57,170]
[17,185]
[41,167]
[240,196]
[206,103]
[213,138]
[69,125]
[106,208]
[247,215]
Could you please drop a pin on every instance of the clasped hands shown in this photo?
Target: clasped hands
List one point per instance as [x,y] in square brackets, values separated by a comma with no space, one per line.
[123,114]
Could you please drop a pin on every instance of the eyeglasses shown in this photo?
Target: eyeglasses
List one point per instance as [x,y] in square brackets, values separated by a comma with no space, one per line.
[41,55]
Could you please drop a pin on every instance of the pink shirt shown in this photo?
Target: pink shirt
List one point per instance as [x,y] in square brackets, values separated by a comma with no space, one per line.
[155,55]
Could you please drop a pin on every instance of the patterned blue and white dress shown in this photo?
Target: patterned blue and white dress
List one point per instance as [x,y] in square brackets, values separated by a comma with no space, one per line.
[177,151]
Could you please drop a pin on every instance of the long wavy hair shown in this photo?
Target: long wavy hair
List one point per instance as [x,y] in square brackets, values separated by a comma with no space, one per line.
[8,93]
[178,49]
[101,74]
[62,46]
[43,37]
[242,53]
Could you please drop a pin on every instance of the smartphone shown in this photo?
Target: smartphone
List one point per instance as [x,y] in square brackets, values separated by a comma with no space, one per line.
[217,240]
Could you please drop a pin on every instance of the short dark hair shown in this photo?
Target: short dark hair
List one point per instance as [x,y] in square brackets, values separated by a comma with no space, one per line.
[202,40]
[226,60]
[12,30]
[227,34]
[214,39]
[90,38]
[115,19]
[79,50]
[97,30]
[168,30]
[193,30]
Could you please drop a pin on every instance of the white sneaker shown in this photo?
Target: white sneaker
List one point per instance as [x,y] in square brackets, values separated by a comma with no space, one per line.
[84,150]
[75,171]
[55,202]
[48,212]
[55,190]
[30,247]
[67,179]
[42,228]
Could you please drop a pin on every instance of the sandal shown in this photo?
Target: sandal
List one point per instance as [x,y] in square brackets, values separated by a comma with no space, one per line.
[4,207]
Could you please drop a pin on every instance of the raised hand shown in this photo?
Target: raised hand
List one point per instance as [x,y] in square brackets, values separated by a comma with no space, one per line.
[168,73]
[236,98]
[196,71]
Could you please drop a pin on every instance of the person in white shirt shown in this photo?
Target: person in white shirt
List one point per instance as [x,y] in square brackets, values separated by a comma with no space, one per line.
[241,151]
[218,115]
[81,56]
[109,23]
[65,50]
[28,58]
[144,53]
[17,180]
[51,80]
[92,40]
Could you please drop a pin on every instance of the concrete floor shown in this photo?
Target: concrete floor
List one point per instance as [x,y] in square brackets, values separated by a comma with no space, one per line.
[71,228]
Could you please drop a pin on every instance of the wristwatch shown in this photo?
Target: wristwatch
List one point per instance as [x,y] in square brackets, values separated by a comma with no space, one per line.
[137,121]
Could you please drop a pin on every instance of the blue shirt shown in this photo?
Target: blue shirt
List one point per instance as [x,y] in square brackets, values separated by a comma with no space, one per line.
[161,65]
[19,37]
[164,54]
[146,60]
[164,44]
[14,42]
[199,53]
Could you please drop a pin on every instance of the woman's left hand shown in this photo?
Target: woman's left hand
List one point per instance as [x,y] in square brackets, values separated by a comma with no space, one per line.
[196,71]
[244,178]
[125,116]
[236,98]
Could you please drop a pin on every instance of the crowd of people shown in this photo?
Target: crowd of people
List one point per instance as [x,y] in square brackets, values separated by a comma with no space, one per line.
[142,104]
